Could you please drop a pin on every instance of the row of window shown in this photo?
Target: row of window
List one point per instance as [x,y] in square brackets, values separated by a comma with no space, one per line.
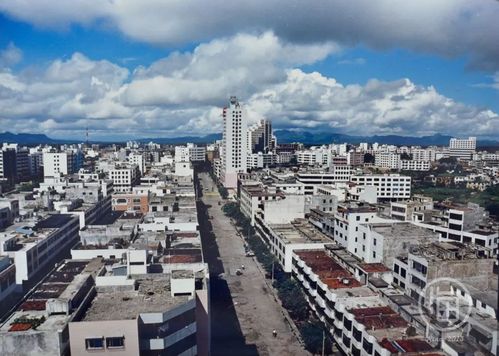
[98,343]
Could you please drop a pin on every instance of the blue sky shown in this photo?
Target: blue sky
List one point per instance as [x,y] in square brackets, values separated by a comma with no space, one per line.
[138,73]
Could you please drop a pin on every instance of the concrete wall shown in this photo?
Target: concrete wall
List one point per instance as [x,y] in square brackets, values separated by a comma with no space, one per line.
[90,254]
[285,210]
[79,331]
[475,272]
[32,343]
[203,322]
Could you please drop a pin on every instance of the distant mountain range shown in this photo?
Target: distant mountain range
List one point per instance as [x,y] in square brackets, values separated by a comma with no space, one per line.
[283,136]
[28,139]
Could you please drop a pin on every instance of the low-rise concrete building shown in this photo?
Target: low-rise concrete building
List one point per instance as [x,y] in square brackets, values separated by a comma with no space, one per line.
[389,186]
[360,321]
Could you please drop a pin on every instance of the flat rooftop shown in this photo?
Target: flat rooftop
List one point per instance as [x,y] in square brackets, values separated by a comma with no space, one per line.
[62,284]
[328,270]
[403,229]
[299,231]
[152,295]
[449,250]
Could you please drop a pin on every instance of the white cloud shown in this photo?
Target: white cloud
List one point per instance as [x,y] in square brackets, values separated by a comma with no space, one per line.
[445,27]
[353,61]
[182,95]
[395,107]
[242,64]
[11,55]
[494,84]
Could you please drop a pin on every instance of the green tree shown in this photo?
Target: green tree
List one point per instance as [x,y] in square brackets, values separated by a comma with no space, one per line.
[312,334]
[368,158]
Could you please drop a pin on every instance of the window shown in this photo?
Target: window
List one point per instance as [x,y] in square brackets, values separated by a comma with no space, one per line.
[115,342]
[94,343]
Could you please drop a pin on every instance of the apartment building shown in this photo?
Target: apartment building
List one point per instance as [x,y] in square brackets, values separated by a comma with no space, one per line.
[260,137]
[470,288]
[124,177]
[7,278]
[9,210]
[190,153]
[262,160]
[388,160]
[315,156]
[234,148]
[389,186]
[138,159]
[138,202]
[462,148]
[360,321]
[57,164]
[423,154]
[17,162]
[312,178]
[39,324]
[425,262]
[117,321]
[343,224]
[8,166]
[35,245]
[383,242]
[253,196]
[468,224]
[403,210]
[355,158]
[283,239]
[413,165]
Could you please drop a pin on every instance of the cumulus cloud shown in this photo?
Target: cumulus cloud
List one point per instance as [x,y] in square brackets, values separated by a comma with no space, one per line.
[242,64]
[183,93]
[445,27]
[394,107]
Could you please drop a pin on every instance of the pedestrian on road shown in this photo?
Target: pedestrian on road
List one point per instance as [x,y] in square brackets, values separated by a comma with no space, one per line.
[274,333]
[242,266]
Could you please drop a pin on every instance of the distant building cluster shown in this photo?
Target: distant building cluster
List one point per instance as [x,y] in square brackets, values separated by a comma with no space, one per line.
[343,221]
[100,246]
[104,255]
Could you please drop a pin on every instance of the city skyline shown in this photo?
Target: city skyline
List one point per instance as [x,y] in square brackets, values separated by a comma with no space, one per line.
[427,69]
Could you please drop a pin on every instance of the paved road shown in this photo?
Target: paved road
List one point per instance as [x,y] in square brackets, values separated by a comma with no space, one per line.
[249,302]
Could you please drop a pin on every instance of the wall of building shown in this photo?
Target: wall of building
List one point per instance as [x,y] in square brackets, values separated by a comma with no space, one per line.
[79,331]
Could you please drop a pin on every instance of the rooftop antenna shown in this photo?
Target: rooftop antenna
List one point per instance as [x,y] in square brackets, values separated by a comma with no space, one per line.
[86,135]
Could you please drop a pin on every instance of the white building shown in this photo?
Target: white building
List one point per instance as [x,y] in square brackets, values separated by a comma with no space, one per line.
[358,318]
[320,156]
[413,165]
[234,149]
[390,160]
[56,164]
[124,178]
[36,245]
[389,186]
[139,160]
[190,152]
[261,160]
[423,154]
[310,179]
[462,148]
